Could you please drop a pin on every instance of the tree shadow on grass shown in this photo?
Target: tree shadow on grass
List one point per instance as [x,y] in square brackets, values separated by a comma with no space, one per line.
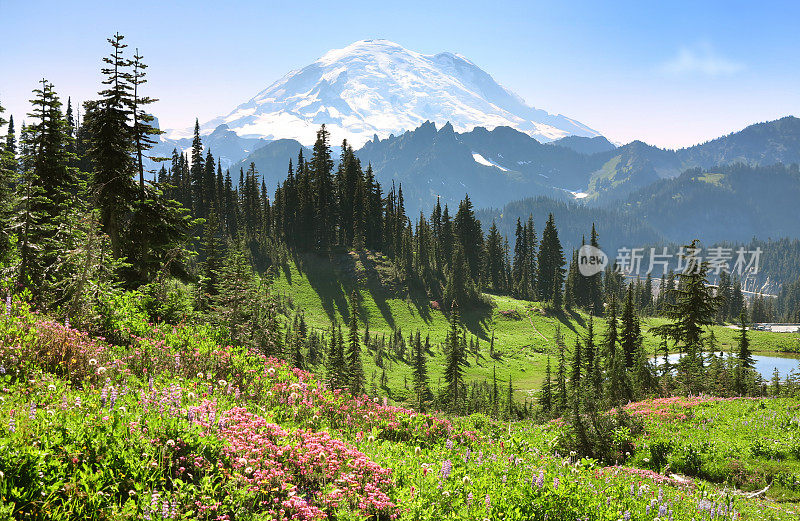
[375,287]
[568,318]
[287,271]
[477,319]
[326,284]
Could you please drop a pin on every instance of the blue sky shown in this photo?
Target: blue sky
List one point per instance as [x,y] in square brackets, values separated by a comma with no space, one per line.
[672,75]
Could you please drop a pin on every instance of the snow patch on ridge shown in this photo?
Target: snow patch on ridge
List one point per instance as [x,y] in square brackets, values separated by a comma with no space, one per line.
[483,161]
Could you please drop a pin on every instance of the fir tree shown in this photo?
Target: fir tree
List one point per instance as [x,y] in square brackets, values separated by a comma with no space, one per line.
[560,398]
[744,355]
[546,394]
[454,370]
[197,173]
[420,374]
[321,166]
[111,144]
[693,309]
[550,277]
[468,233]
[355,368]
[495,265]
[575,373]
[143,130]
[594,284]
[212,250]
[629,337]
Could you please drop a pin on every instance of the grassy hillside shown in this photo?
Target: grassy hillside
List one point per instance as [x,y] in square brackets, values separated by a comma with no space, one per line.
[523,338]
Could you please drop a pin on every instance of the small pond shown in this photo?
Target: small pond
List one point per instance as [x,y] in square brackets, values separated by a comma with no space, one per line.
[765,364]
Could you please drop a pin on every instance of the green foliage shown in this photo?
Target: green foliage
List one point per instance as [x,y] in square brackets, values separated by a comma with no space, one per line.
[124,316]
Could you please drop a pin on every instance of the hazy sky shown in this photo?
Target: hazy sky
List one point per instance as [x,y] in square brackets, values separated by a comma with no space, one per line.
[673,75]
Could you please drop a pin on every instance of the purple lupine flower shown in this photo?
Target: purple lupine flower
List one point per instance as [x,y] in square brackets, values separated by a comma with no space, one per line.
[190,416]
[173,508]
[469,498]
[150,383]
[540,479]
[556,481]
[449,444]
[104,396]
[165,509]
[466,456]
[2,369]
[488,503]
[627,516]
[447,467]
[12,425]
[8,304]
[633,489]
[662,510]
[32,413]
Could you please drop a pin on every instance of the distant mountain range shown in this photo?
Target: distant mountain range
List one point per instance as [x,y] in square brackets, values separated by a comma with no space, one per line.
[501,165]
[732,203]
[443,127]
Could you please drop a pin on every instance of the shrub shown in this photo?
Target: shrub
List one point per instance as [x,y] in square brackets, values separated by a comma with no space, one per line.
[659,452]
[124,316]
[689,461]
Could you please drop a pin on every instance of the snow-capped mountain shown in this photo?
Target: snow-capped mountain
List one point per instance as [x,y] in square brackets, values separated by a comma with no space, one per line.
[377,87]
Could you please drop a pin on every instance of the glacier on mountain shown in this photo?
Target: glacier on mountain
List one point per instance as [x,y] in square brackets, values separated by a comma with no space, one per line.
[377,87]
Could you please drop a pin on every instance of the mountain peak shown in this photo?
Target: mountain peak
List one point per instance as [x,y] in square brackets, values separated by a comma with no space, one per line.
[378,87]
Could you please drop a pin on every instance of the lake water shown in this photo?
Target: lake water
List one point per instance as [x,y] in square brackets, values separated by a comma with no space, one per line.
[765,364]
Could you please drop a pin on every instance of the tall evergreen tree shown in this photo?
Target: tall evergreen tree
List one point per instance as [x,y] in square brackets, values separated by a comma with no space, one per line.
[468,232]
[576,370]
[48,192]
[594,283]
[629,337]
[560,398]
[355,367]
[546,393]
[694,308]
[454,370]
[550,279]
[321,166]
[197,173]
[143,130]
[495,262]
[744,355]
[420,375]
[110,144]
[212,250]
[8,180]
